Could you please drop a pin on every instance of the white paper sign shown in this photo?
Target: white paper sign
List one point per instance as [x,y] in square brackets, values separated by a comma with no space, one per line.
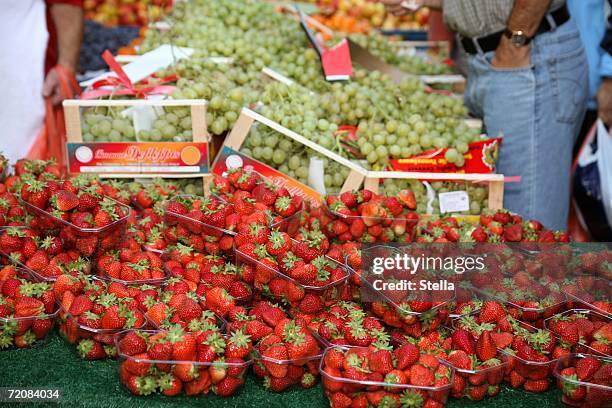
[147,64]
[454,201]
[316,175]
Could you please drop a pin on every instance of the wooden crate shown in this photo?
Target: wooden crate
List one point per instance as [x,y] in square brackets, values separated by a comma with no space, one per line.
[495,182]
[74,134]
[248,117]
[358,175]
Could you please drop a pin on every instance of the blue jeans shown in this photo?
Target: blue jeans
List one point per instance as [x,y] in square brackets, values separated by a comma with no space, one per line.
[538,110]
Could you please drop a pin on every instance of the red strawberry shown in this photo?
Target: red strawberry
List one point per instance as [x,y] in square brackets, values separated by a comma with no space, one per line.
[65,200]
[463,340]
[485,347]
[586,367]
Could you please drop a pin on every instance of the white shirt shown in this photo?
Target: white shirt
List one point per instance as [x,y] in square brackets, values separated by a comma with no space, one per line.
[23,45]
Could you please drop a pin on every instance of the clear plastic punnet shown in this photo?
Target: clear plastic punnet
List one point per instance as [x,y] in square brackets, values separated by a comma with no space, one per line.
[351,389]
[29,315]
[584,339]
[87,241]
[583,393]
[271,283]
[152,368]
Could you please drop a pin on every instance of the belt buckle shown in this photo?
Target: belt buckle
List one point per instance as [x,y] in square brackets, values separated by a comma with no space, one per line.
[474,42]
[551,21]
[477,45]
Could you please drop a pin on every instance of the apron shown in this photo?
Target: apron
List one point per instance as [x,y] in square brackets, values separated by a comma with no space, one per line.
[23,44]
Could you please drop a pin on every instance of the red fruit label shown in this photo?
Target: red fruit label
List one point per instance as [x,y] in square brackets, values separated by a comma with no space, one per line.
[480,158]
[138,158]
[230,158]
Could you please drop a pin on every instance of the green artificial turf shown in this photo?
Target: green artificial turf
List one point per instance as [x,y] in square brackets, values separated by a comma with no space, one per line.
[96,384]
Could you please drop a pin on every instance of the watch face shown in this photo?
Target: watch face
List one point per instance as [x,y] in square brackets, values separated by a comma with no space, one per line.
[519,39]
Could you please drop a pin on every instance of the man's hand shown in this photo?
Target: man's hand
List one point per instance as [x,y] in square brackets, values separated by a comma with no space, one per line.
[51,87]
[510,56]
[604,101]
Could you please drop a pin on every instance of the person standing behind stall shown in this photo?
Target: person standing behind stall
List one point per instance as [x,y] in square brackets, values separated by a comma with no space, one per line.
[527,80]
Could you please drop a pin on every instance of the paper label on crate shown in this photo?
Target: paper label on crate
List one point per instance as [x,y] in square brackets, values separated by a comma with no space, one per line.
[229,158]
[138,157]
[480,158]
[454,201]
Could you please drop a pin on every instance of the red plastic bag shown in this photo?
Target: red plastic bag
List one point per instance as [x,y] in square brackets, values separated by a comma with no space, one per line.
[51,141]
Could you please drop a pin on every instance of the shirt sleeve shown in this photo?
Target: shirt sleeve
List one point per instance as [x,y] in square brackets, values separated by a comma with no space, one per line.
[78,3]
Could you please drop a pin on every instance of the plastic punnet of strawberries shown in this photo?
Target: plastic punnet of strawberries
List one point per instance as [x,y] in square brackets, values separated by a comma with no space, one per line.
[84,218]
[478,364]
[168,308]
[589,292]
[257,321]
[585,380]
[251,192]
[92,312]
[131,266]
[294,269]
[368,217]
[346,324]
[379,376]
[288,356]
[585,331]
[173,362]
[27,308]
[204,272]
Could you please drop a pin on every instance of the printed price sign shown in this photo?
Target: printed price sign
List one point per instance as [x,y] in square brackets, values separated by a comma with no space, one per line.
[138,158]
[454,201]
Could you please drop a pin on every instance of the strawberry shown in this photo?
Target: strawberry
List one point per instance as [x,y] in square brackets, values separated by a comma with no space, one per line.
[491,312]
[421,376]
[485,347]
[587,367]
[65,200]
[536,385]
[463,340]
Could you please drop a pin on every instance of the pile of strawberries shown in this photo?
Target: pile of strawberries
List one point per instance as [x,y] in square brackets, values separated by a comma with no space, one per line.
[287,356]
[380,376]
[27,308]
[249,192]
[295,272]
[174,361]
[175,305]
[479,366]
[589,292]
[584,380]
[367,217]
[131,266]
[83,217]
[346,323]
[92,312]
[289,283]
[585,331]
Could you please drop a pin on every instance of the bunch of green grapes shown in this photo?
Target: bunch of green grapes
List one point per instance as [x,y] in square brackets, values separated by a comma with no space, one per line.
[226,87]
[291,158]
[389,52]
[173,124]
[395,121]
[252,33]
[106,124]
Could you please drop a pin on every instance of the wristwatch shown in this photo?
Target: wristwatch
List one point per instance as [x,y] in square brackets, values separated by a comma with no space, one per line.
[517,38]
